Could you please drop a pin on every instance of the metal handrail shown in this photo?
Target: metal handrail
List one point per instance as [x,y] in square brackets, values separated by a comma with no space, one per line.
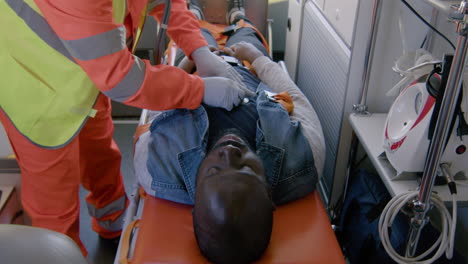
[436,147]
[361,108]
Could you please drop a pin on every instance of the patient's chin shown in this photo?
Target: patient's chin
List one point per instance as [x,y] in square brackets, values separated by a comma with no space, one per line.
[231,137]
[224,136]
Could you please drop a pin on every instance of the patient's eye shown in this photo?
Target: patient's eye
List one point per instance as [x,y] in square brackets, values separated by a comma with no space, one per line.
[212,171]
[248,168]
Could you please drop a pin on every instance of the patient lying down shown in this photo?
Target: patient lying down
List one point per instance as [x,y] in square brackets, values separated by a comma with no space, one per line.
[235,166]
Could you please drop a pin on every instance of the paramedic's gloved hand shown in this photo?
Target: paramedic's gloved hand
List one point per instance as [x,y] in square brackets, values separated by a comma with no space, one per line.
[189,66]
[186,65]
[222,92]
[243,51]
[210,65]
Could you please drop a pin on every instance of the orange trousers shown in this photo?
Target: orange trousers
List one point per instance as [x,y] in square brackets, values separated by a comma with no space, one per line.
[50,178]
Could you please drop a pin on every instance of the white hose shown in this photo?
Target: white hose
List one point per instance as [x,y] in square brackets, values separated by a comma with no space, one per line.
[445,240]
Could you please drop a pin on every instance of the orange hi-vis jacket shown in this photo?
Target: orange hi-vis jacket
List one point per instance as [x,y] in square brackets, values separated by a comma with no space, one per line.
[99,45]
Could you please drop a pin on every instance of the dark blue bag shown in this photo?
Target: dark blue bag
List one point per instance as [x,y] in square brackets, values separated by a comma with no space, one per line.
[359,236]
[358,223]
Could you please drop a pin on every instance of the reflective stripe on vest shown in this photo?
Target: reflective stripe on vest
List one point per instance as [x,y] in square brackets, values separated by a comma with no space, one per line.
[110,42]
[97,46]
[38,24]
[130,84]
[46,95]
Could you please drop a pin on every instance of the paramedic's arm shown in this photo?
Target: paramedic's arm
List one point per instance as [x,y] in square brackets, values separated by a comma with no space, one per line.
[184,27]
[278,80]
[97,44]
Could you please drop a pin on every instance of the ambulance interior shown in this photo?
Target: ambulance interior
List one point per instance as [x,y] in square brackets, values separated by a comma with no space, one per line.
[395,145]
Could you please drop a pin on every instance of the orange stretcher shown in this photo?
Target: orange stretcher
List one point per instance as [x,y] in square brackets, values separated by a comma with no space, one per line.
[161,231]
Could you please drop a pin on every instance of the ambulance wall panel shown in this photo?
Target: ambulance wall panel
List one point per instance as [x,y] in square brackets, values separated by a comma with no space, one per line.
[322,76]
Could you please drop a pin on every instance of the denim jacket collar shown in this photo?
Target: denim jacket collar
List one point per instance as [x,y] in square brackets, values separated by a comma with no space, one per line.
[271,155]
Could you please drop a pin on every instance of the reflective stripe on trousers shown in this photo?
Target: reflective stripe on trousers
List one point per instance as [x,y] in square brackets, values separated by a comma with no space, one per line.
[112,225]
[50,178]
[112,208]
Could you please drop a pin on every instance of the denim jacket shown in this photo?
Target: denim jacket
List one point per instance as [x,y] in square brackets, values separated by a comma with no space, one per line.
[179,142]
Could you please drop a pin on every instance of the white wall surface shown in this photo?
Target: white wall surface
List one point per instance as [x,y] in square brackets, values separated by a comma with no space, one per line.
[341,14]
[320,3]
[389,48]
[295,11]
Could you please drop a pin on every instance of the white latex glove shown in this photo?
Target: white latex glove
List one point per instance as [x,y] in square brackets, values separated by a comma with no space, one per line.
[223,92]
[186,65]
[210,65]
[223,84]
[243,51]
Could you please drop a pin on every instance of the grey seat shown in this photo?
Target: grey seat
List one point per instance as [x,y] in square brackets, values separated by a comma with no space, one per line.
[25,245]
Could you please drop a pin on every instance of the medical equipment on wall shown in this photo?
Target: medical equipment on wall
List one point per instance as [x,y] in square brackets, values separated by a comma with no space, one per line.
[420,202]
[406,133]
[406,143]
[445,242]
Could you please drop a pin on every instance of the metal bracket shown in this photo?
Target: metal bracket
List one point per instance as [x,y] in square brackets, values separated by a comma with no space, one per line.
[361,109]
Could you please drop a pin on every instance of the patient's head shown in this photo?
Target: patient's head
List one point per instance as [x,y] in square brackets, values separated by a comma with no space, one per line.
[233,211]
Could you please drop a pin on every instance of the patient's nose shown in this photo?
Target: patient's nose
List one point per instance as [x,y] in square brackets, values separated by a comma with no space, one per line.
[230,154]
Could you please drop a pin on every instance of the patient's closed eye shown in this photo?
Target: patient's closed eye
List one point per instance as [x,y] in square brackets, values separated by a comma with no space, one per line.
[212,171]
[247,168]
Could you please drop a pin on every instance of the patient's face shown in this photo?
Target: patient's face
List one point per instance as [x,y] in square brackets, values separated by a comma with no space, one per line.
[231,155]
[233,210]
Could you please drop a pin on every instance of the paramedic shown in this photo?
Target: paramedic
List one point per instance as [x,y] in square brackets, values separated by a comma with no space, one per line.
[233,166]
[62,61]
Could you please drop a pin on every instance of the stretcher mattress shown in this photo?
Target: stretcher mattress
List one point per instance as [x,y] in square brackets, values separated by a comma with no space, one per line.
[301,234]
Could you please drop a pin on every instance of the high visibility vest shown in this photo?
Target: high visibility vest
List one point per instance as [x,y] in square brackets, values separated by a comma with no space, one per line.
[46,95]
